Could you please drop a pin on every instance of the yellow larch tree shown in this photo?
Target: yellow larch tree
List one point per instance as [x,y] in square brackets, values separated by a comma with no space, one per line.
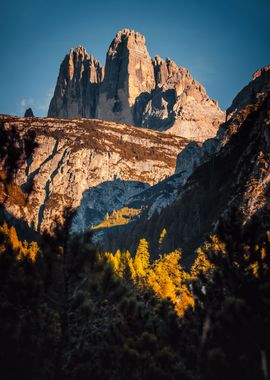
[142,260]
[162,236]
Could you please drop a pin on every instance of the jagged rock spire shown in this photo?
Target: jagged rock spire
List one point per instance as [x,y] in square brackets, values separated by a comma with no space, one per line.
[76,90]
[135,89]
[128,74]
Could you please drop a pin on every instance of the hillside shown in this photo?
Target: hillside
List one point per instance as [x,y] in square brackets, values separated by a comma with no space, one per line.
[75,157]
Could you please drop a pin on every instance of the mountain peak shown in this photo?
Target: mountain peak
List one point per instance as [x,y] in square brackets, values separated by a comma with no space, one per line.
[76,89]
[128,74]
[126,33]
[135,89]
[79,51]
[127,39]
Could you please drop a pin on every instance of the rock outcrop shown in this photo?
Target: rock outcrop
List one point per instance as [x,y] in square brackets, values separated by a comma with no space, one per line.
[135,90]
[76,90]
[75,156]
[29,113]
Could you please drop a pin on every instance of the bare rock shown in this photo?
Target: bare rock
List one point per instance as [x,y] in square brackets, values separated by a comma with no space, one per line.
[74,156]
[128,74]
[154,94]
[76,90]
[188,159]
[179,105]
[29,113]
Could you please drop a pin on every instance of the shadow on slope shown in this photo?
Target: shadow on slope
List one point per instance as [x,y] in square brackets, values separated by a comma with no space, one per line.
[101,200]
[236,176]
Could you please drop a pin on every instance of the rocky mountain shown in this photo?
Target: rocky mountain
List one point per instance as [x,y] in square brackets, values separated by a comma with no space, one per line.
[96,168]
[76,90]
[90,165]
[228,173]
[136,90]
[172,172]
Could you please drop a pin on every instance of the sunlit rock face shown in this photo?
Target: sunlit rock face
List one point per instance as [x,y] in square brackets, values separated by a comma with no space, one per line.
[136,90]
[178,105]
[128,74]
[74,156]
[76,90]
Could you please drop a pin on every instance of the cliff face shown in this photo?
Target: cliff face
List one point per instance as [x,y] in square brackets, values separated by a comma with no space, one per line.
[128,73]
[76,90]
[178,105]
[230,172]
[74,156]
[136,90]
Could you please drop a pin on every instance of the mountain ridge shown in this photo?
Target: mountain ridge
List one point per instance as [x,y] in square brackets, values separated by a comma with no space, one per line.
[77,154]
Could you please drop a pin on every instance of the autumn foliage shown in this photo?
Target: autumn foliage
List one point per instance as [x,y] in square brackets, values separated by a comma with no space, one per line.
[23,249]
[165,276]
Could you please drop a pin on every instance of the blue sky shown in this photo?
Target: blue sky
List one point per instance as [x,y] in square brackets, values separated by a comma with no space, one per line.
[221,42]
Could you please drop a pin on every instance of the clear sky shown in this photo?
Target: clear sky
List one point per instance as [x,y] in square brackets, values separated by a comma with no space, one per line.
[221,42]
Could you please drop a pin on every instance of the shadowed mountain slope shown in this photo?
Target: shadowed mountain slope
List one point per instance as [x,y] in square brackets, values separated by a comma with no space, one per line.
[236,177]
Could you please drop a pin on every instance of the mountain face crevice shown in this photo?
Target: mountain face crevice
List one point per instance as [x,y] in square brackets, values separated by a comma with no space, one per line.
[48,186]
[134,89]
[31,176]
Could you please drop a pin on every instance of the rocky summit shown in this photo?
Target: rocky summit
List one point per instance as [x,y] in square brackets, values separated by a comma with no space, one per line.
[76,91]
[134,89]
[128,74]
